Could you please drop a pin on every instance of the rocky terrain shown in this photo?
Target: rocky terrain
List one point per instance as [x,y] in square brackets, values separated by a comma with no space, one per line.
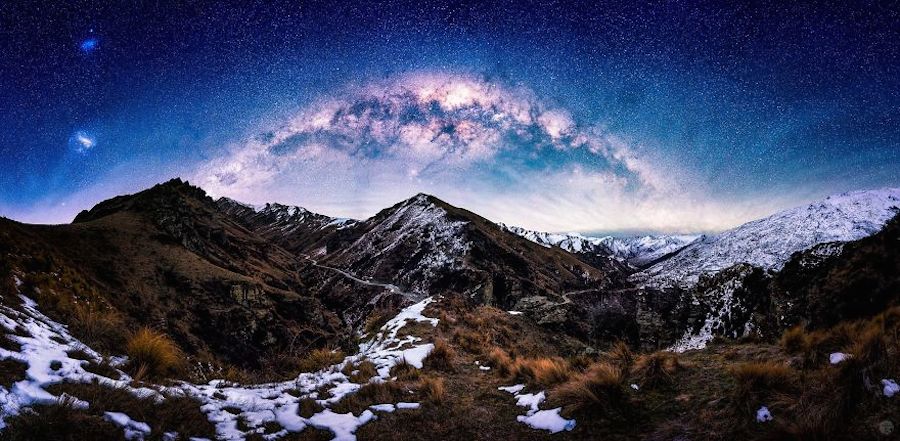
[166,314]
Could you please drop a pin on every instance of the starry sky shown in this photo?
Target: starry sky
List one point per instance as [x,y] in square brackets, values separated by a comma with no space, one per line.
[594,117]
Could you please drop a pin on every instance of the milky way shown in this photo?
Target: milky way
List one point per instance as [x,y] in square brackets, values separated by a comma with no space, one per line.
[555,116]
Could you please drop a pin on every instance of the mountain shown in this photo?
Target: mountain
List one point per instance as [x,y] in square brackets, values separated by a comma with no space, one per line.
[429,247]
[637,251]
[294,228]
[768,243]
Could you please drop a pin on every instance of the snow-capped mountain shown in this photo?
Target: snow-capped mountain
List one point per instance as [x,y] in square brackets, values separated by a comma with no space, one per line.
[768,243]
[637,250]
[285,219]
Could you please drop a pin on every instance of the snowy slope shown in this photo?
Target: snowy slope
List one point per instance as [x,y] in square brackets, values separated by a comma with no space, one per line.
[636,250]
[769,242]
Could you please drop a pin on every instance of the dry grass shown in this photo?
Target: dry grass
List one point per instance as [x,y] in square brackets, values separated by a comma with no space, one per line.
[656,369]
[308,407]
[153,354]
[319,359]
[441,356]
[369,394]
[432,389]
[501,362]
[405,371]
[11,371]
[377,319]
[757,382]
[620,355]
[545,372]
[59,422]
[175,413]
[598,389]
[471,341]
[364,370]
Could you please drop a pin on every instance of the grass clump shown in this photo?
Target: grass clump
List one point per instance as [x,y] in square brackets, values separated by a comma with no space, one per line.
[153,354]
[319,359]
[597,390]
[544,372]
[432,389]
[441,356]
[656,369]
[404,371]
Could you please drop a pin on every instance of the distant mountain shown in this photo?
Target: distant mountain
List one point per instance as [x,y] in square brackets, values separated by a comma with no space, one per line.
[294,228]
[768,243]
[637,251]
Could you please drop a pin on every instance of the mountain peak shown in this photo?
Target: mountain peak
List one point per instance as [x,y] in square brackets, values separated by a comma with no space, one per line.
[166,194]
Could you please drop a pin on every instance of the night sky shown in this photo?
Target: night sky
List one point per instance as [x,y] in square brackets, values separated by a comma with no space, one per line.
[613,117]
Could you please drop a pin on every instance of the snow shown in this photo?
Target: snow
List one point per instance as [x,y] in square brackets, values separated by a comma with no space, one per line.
[514,312]
[768,243]
[382,407]
[763,415]
[549,420]
[891,387]
[133,429]
[343,425]
[48,342]
[636,250]
[635,387]
[715,321]
[837,357]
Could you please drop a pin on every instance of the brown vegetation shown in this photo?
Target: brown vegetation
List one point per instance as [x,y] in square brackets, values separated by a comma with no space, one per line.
[153,354]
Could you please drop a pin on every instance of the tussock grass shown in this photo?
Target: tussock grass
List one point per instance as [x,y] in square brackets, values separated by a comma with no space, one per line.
[598,389]
[369,394]
[59,422]
[656,369]
[319,359]
[364,371]
[501,362]
[544,372]
[153,354]
[432,389]
[405,371]
[441,356]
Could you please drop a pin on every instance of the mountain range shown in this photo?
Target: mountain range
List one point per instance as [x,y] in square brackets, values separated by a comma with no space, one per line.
[282,322]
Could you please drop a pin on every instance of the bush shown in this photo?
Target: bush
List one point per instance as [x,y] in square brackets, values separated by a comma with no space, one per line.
[153,354]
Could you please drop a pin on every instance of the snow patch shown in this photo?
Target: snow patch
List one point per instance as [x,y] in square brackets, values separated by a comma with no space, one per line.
[763,415]
[891,387]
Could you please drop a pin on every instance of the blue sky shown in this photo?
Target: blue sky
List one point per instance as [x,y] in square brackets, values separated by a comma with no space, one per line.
[655,117]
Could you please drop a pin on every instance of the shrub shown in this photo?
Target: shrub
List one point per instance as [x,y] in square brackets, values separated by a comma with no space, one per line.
[794,340]
[441,356]
[432,388]
[656,369]
[154,354]
[599,389]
